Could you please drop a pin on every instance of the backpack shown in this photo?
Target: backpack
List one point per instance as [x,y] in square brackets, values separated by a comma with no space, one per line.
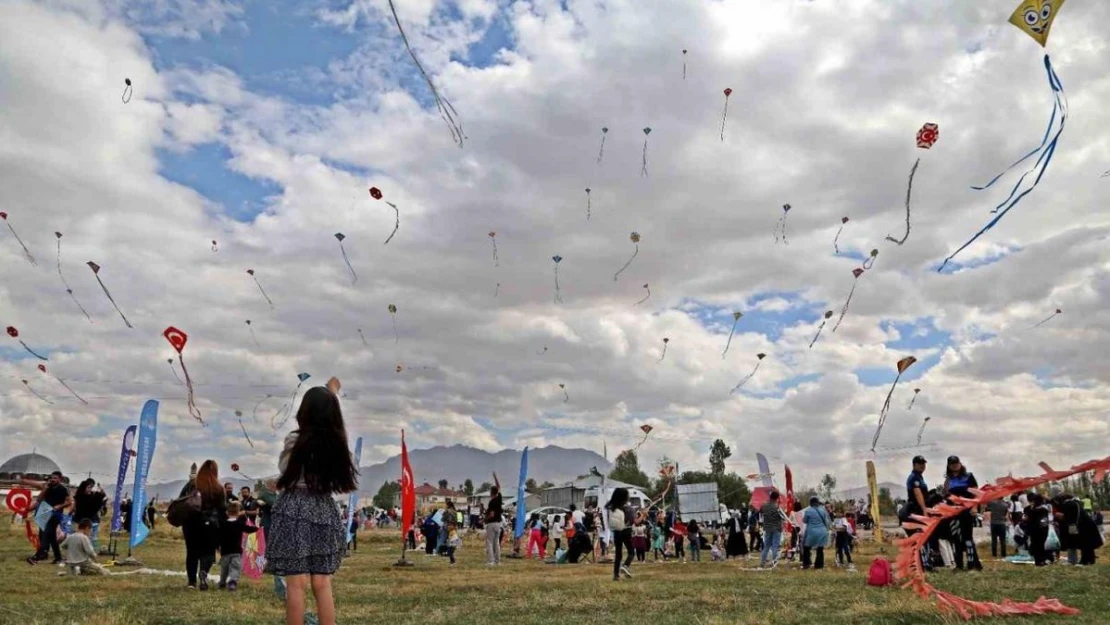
[879,574]
[182,509]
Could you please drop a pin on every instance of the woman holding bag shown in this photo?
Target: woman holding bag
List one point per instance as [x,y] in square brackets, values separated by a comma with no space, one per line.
[202,527]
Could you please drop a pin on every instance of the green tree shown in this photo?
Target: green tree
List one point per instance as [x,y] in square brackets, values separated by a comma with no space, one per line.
[530,485]
[718,453]
[886,502]
[468,487]
[627,469]
[443,483]
[386,494]
[732,490]
[546,485]
[828,485]
[484,488]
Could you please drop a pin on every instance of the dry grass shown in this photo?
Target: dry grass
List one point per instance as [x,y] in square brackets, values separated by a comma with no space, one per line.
[370,590]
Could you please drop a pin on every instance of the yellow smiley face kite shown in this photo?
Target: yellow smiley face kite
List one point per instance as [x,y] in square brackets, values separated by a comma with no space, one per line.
[1034,17]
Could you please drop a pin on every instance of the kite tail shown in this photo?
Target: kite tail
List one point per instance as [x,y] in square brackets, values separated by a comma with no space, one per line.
[601,152]
[912,400]
[36,394]
[1044,321]
[780,230]
[558,293]
[883,413]
[363,337]
[921,432]
[844,310]
[397,219]
[33,352]
[746,378]
[909,192]
[816,336]
[242,427]
[724,116]
[836,247]
[82,308]
[354,276]
[616,275]
[647,297]
[26,252]
[588,207]
[497,289]
[191,401]
[496,260]
[71,391]
[643,168]
[1047,150]
[109,295]
[664,353]
[446,110]
[254,338]
[729,342]
[66,284]
[396,337]
[566,396]
[263,292]
[254,415]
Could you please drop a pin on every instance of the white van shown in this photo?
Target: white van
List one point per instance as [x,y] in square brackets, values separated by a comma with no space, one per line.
[637,499]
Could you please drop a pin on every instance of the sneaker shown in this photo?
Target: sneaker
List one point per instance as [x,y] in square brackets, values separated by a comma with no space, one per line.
[32,561]
[232,586]
[626,572]
[59,562]
[203,583]
[191,587]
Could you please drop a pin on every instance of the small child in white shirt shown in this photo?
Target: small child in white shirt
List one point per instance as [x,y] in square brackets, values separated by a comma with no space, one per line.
[80,555]
[557,532]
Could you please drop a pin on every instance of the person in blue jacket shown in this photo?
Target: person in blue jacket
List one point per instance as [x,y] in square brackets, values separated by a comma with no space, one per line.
[817,524]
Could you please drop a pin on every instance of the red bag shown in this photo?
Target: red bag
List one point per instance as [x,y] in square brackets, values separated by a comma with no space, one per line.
[879,574]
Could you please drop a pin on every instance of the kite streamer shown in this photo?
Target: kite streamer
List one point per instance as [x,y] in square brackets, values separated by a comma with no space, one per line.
[836,247]
[780,226]
[1049,318]
[126,97]
[446,110]
[646,429]
[393,317]
[856,273]
[63,383]
[646,297]
[12,332]
[260,289]
[587,203]
[684,64]
[908,566]
[912,400]
[96,272]
[870,260]
[254,415]
[601,151]
[361,336]
[174,370]
[26,252]
[253,337]
[1046,150]
[665,341]
[277,425]
[735,319]
[377,195]
[58,236]
[566,395]
[493,241]
[33,392]
[339,236]
[828,315]
[239,416]
[558,293]
[635,238]
[921,432]
[178,340]
[759,358]
[902,366]
[497,289]
[724,116]
[643,168]
[909,192]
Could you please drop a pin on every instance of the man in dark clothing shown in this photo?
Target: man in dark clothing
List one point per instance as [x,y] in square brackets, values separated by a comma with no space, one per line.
[248,503]
[229,492]
[959,482]
[1000,511]
[916,493]
[56,495]
[151,513]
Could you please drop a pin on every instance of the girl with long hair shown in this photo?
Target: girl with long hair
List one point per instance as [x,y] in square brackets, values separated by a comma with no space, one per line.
[620,522]
[202,530]
[308,539]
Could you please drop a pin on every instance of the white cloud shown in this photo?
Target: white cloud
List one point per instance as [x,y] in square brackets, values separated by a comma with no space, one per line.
[825,106]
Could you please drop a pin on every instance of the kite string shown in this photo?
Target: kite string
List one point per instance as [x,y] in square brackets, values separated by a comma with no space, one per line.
[844,310]
[646,297]
[354,276]
[396,221]
[616,275]
[110,299]
[66,284]
[71,391]
[884,412]
[33,392]
[446,110]
[909,192]
[816,336]
[262,291]
[26,252]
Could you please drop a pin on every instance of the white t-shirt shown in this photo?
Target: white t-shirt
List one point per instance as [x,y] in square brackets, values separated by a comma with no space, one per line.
[578,516]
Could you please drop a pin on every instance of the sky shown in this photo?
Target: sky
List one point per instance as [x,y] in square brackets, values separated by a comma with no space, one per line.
[260,126]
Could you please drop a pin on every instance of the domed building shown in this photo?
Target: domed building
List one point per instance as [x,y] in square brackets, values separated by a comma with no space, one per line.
[32,466]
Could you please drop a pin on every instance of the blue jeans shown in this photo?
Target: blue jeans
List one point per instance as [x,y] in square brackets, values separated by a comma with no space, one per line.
[771,542]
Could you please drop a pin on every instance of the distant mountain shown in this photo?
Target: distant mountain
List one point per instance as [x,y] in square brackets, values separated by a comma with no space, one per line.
[459,462]
[454,464]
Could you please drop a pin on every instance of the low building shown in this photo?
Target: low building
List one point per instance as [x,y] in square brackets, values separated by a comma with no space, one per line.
[428,496]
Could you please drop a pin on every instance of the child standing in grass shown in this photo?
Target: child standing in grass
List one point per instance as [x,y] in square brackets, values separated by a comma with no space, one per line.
[657,542]
[308,538]
[231,546]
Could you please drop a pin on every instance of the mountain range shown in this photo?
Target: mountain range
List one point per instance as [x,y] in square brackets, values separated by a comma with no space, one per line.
[454,464]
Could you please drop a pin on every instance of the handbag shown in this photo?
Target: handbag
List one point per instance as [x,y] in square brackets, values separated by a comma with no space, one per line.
[1052,543]
[182,509]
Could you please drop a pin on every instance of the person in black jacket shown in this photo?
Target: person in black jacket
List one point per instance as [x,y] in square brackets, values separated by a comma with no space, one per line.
[87,505]
[959,482]
[202,530]
[1078,532]
[231,546]
[56,495]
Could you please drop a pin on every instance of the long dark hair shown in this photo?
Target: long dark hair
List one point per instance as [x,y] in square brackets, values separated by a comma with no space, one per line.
[208,481]
[86,486]
[320,454]
[618,499]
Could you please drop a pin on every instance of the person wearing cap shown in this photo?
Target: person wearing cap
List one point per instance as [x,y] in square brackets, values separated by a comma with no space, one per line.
[958,482]
[916,489]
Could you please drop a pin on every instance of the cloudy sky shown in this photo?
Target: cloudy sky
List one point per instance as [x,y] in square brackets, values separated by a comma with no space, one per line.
[261,126]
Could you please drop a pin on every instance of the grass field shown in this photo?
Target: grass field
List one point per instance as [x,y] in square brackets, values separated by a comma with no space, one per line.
[370,590]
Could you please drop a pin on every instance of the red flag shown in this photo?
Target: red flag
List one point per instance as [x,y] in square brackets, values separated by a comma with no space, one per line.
[408,491]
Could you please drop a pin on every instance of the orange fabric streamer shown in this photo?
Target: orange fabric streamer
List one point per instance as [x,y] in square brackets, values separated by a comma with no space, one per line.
[908,565]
